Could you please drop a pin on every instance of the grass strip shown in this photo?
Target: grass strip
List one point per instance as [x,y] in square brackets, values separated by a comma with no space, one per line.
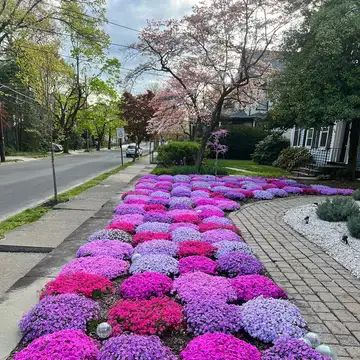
[33,214]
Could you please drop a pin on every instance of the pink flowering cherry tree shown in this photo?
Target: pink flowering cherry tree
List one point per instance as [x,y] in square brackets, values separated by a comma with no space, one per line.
[220,53]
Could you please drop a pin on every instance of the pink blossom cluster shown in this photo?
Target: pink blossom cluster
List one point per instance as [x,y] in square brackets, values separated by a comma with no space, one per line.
[146,317]
[81,283]
[145,285]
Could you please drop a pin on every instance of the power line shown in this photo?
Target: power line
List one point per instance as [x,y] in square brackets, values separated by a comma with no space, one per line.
[96,18]
[19,93]
[53,32]
[74,58]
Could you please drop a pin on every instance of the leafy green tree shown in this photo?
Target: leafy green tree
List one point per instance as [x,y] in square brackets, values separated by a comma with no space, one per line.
[31,18]
[74,80]
[321,80]
[101,116]
[26,128]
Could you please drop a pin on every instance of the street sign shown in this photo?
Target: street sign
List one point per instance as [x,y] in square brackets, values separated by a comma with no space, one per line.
[120,133]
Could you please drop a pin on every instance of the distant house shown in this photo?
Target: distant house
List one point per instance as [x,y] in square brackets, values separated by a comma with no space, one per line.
[251,116]
[329,145]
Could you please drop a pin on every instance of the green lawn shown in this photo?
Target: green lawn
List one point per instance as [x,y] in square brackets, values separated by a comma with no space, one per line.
[248,167]
[29,154]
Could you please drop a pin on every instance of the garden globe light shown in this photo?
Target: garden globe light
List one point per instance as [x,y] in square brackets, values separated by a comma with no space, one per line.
[103,330]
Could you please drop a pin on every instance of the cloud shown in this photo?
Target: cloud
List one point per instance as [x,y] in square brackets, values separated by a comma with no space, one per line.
[134,14]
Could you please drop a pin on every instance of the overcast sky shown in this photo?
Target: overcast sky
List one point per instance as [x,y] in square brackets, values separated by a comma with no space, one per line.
[134,13]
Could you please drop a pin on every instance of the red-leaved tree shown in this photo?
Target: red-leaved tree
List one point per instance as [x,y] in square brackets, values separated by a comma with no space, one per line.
[220,52]
[137,112]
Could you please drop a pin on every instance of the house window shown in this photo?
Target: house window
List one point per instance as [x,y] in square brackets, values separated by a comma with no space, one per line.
[297,137]
[324,135]
[309,137]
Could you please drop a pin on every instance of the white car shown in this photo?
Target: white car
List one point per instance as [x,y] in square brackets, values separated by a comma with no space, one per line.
[57,147]
[132,149]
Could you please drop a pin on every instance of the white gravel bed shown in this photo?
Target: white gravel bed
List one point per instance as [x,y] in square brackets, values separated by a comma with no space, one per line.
[326,235]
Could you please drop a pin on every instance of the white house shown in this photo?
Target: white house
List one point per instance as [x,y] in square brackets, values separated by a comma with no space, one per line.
[329,145]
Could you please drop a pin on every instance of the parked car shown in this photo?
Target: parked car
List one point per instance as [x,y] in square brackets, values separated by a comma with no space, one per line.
[132,149]
[57,147]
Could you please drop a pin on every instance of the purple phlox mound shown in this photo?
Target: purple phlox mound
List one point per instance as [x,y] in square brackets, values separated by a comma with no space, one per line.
[225,247]
[54,313]
[213,236]
[267,319]
[163,264]
[294,349]
[116,249]
[198,285]
[106,266]
[239,263]
[135,347]
[185,234]
[212,315]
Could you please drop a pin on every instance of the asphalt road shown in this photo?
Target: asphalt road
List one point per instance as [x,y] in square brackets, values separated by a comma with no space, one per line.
[26,184]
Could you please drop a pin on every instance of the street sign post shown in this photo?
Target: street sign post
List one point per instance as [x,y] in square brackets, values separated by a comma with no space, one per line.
[120,133]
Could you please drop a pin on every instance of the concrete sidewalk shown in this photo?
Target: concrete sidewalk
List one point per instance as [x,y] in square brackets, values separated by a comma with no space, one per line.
[49,243]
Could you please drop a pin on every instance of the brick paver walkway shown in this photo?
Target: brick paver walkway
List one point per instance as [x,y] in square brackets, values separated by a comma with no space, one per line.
[327,294]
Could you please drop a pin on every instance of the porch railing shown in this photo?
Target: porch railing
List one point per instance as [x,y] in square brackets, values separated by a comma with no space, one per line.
[328,156]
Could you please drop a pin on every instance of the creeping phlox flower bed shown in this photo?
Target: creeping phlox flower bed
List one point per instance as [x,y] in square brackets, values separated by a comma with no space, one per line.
[172,276]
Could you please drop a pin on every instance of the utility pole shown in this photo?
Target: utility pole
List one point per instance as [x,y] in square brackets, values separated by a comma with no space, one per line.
[49,118]
[2,140]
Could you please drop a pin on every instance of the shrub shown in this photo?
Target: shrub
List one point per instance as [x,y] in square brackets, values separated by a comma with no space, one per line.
[178,153]
[292,158]
[353,225]
[205,169]
[268,150]
[356,195]
[242,140]
[338,209]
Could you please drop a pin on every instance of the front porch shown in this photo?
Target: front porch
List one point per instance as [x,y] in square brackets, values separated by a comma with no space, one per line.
[329,147]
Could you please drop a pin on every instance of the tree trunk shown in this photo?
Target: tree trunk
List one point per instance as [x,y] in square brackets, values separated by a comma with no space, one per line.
[216,162]
[201,153]
[109,140]
[205,135]
[353,150]
[66,145]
